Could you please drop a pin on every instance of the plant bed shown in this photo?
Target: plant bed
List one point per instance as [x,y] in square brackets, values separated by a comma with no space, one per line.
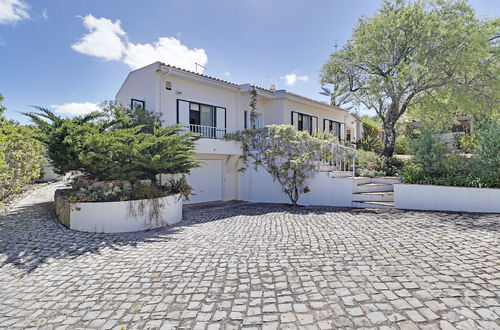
[118,216]
[446,198]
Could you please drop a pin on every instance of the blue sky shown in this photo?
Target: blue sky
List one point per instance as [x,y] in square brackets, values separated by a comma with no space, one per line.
[70,55]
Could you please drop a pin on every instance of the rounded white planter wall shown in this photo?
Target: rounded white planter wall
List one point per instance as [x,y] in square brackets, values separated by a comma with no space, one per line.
[118,217]
[445,198]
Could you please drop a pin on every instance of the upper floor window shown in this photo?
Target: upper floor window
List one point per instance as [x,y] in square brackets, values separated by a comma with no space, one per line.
[201,114]
[332,127]
[205,119]
[303,122]
[247,122]
[137,104]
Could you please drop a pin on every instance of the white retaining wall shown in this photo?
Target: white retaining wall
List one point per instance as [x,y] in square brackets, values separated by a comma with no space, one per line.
[444,198]
[117,217]
[259,187]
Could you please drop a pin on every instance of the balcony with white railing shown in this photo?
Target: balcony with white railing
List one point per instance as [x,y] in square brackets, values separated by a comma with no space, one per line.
[209,132]
[213,142]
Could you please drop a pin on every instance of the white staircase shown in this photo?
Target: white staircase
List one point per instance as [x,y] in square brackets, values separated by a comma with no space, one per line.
[374,192]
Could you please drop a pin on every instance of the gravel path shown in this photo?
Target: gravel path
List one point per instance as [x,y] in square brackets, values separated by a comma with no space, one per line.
[253,266]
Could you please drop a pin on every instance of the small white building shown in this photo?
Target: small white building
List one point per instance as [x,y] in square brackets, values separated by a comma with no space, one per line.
[213,107]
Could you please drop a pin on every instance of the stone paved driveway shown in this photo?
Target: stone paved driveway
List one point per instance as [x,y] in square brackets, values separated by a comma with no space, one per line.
[253,266]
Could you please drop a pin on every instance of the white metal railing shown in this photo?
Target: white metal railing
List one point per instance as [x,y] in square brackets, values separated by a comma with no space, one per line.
[208,131]
[343,159]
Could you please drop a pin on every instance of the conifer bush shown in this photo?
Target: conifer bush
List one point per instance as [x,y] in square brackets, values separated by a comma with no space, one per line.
[116,146]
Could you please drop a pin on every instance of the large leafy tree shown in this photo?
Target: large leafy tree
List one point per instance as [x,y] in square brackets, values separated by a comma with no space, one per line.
[409,53]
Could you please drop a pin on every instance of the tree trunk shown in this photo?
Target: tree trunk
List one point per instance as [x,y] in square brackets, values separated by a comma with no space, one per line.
[389,139]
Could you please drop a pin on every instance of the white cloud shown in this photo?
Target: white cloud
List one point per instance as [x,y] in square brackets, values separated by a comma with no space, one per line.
[12,11]
[103,41]
[45,13]
[75,108]
[291,79]
[167,50]
[108,41]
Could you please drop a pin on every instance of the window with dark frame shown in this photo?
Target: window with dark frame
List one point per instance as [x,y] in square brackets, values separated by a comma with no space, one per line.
[305,122]
[202,114]
[207,120]
[332,127]
[137,104]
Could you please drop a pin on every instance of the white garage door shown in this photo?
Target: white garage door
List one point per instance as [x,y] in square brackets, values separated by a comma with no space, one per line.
[206,181]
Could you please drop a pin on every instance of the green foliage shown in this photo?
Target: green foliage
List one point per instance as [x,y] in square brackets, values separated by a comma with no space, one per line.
[88,190]
[370,127]
[487,152]
[369,143]
[370,140]
[178,186]
[289,155]
[402,146]
[130,154]
[411,50]
[253,107]
[434,163]
[61,137]
[112,146]
[2,109]
[123,117]
[430,151]
[20,156]
[368,163]
[467,142]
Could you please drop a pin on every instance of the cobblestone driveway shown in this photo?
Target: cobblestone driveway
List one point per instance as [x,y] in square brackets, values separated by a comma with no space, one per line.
[253,266]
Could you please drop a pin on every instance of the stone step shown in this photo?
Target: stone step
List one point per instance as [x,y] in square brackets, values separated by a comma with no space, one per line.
[340,174]
[374,205]
[373,187]
[381,180]
[373,197]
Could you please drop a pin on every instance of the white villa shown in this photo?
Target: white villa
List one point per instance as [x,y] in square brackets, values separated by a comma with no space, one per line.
[213,107]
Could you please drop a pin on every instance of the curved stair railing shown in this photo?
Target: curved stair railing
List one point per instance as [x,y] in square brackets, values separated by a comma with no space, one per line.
[341,159]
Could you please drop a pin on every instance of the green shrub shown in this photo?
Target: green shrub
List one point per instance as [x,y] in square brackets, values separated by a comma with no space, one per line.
[20,156]
[104,147]
[129,154]
[429,151]
[486,153]
[369,143]
[434,163]
[467,143]
[178,186]
[402,146]
[370,164]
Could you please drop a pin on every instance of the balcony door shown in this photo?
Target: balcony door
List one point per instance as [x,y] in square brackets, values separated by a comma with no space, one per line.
[202,115]
[207,120]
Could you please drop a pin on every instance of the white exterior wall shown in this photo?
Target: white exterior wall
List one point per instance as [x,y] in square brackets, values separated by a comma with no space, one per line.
[141,84]
[322,112]
[258,186]
[148,84]
[444,198]
[195,91]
